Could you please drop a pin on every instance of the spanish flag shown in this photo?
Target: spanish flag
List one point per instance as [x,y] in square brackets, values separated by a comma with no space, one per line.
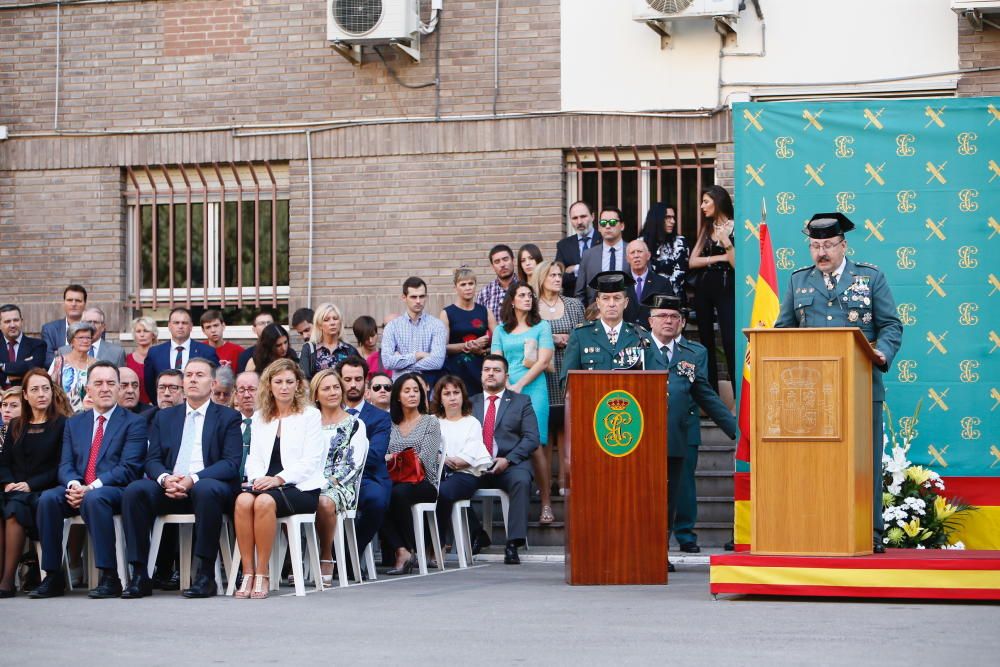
[765,311]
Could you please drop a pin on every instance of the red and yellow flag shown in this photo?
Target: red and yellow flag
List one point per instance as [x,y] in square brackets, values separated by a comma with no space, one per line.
[765,311]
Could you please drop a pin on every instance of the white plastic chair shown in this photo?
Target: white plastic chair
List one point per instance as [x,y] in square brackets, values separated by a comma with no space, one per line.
[346,531]
[418,510]
[294,526]
[460,528]
[185,528]
[487,496]
[120,557]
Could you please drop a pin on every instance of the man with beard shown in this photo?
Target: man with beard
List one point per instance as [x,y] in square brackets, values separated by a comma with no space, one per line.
[492,294]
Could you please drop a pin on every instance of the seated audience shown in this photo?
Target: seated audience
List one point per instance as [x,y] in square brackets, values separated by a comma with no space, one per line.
[29,465]
[102,452]
[325,348]
[10,409]
[272,345]
[175,352]
[510,433]
[222,386]
[284,469]
[169,389]
[366,334]
[465,455]
[345,462]
[128,397]
[246,402]
[260,321]
[54,333]
[469,326]
[416,341]
[100,349]
[192,466]
[70,370]
[528,257]
[379,389]
[20,353]
[415,436]
[214,328]
[145,333]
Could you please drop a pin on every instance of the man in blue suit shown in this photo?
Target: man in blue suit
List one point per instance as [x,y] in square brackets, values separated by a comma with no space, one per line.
[102,453]
[54,332]
[175,352]
[20,353]
[373,498]
[192,465]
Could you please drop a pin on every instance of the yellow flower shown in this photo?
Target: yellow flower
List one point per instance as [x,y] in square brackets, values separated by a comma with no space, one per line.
[912,528]
[918,474]
[943,509]
[895,535]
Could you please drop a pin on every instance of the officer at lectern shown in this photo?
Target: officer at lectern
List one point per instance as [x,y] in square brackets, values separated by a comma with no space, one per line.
[836,292]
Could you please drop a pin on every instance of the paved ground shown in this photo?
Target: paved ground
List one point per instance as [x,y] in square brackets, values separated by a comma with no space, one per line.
[499,615]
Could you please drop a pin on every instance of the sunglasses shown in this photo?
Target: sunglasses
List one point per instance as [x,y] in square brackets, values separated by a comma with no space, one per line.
[608,223]
[381,387]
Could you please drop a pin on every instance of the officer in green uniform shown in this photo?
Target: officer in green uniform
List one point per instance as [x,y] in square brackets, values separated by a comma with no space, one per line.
[687,364]
[607,343]
[836,292]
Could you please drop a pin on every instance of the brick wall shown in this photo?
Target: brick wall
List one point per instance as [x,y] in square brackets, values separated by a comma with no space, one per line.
[978,49]
[725,162]
[170,63]
[63,226]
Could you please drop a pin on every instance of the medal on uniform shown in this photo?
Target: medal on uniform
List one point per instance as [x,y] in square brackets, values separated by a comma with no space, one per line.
[866,318]
[852,316]
[628,358]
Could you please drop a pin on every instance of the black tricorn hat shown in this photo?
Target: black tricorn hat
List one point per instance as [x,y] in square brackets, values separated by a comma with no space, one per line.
[665,301]
[611,281]
[827,226]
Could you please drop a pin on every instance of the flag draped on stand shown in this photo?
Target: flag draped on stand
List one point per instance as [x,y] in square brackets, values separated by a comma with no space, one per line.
[765,311]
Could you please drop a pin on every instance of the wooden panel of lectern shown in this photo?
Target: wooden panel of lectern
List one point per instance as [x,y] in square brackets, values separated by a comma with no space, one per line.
[616,503]
[811,442]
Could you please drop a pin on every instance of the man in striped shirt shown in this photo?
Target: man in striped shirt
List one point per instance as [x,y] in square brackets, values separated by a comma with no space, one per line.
[491,296]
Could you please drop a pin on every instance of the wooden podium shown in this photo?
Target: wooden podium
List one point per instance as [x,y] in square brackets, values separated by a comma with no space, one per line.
[811,442]
[616,514]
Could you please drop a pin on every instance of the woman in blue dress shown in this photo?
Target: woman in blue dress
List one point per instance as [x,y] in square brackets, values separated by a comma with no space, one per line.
[469,325]
[525,341]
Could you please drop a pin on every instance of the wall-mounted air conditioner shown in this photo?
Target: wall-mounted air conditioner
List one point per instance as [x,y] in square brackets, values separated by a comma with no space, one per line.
[675,10]
[351,24]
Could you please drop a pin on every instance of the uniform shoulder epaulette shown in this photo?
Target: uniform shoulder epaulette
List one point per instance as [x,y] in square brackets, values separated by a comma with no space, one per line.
[800,270]
[867,265]
[640,328]
[583,325]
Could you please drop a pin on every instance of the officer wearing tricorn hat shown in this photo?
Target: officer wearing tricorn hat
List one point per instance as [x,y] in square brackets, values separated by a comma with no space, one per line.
[607,343]
[836,292]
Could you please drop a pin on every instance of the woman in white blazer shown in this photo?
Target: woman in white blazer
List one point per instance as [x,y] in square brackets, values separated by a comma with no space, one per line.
[284,469]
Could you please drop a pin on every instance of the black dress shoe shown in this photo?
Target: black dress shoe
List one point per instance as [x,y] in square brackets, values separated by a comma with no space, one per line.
[140,586]
[510,556]
[480,542]
[7,592]
[691,548]
[52,586]
[878,548]
[670,567]
[202,587]
[110,586]
[729,546]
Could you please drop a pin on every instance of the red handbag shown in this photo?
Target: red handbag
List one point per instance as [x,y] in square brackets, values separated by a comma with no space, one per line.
[405,466]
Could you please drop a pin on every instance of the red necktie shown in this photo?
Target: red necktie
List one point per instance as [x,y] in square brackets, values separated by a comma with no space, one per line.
[489,422]
[11,352]
[95,448]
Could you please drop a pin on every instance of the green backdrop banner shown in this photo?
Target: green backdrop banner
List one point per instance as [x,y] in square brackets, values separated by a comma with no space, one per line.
[921,180]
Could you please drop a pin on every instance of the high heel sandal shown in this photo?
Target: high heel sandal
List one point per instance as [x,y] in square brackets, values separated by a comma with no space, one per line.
[547,515]
[327,578]
[405,568]
[261,586]
[244,590]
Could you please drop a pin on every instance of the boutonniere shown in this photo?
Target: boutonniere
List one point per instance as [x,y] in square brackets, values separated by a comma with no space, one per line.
[687,369]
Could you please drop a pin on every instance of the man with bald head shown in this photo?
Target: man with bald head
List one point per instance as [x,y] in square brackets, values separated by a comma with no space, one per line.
[128,397]
[646,284]
[246,403]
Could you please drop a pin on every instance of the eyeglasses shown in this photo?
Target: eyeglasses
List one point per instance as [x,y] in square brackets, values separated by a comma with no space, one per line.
[246,390]
[381,387]
[673,317]
[824,246]
[169,387]
[610,222]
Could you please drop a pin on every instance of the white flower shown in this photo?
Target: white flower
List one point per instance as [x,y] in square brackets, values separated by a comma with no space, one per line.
[920,546]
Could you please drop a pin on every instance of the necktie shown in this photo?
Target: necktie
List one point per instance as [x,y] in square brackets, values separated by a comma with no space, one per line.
[95,448]
[183,463]
[584,244]
[11,352]
[611,263]
[179,359]
[829,281]
[489,422]
[246,447]
[613,337]
[638,289]
[352,411]
[666,353]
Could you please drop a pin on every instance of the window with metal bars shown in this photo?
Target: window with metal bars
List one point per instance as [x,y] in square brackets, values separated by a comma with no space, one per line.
[633,178]
[208,236]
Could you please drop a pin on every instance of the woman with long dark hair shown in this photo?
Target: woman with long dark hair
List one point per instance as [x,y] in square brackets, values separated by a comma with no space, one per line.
[273,344]
[528,257]
[714,255]
[669,249]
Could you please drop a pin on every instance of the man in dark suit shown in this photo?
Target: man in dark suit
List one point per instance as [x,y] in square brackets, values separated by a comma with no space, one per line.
[570,249]
[192,465]
[175,352]
[609,255]
[376,486]
[102,453]
[54,332]
[510,432]
[20,353]
[687,364]
[646,282]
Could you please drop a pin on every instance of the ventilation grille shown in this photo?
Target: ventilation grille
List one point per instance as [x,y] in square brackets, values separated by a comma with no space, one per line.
[357,17]
[669,6]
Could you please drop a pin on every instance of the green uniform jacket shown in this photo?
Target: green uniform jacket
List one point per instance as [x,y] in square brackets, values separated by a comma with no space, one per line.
[861,298]
[688,386]
[589,349]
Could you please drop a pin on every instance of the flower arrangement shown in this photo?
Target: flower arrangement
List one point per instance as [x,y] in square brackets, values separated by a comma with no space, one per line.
[916,515]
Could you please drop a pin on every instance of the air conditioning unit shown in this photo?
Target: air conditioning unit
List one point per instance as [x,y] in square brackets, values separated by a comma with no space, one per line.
[675,10]
[973,11]
[351,24]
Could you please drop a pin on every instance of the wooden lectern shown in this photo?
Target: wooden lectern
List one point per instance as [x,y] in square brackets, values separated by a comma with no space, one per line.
[616,514]
[811,442]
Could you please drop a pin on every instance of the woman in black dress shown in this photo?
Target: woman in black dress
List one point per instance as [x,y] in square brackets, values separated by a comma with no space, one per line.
[29,464]
[669,249]
[715,289]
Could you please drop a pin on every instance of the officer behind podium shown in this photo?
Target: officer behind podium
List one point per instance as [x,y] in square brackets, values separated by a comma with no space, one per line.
[836,292]
[607,343]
